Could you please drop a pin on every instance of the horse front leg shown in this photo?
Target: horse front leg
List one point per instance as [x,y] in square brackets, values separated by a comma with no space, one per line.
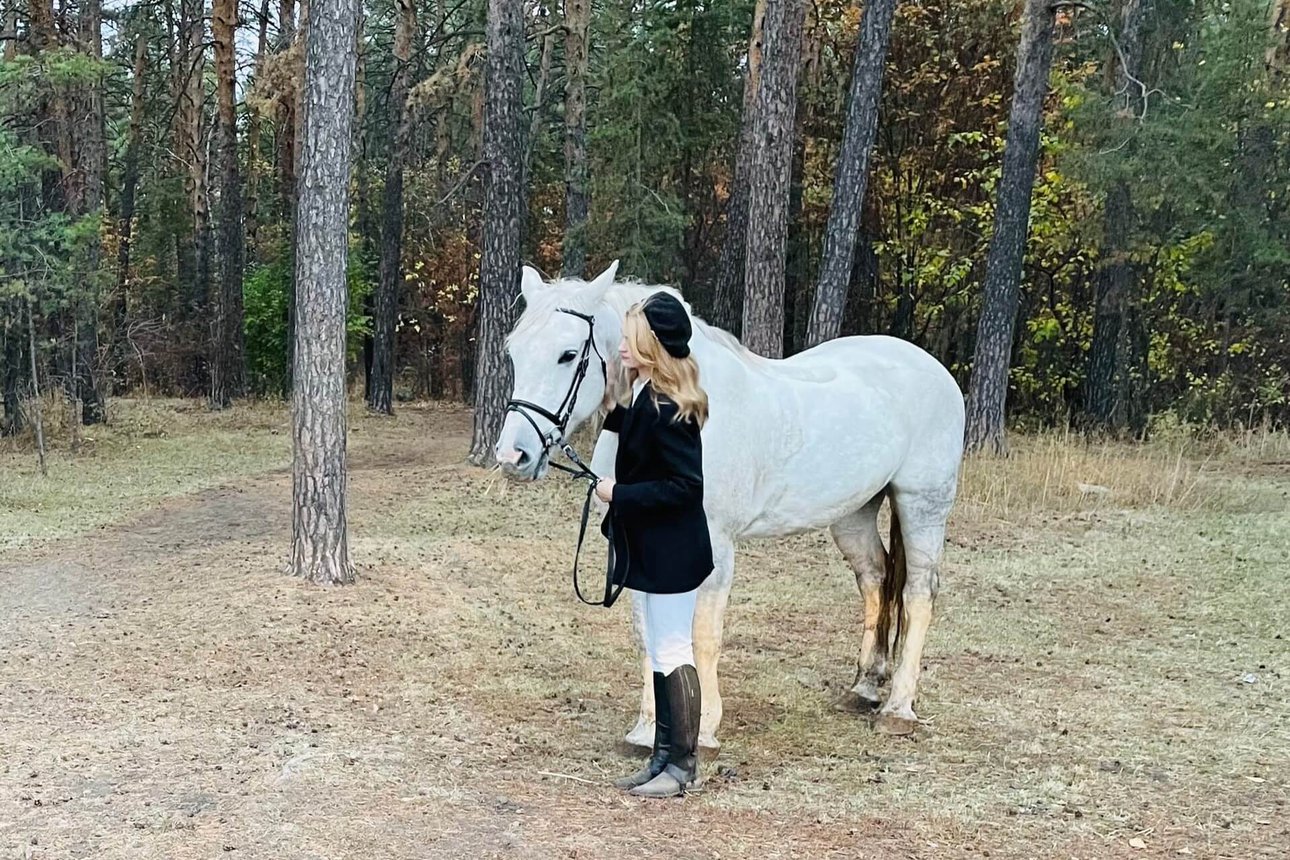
[709,618]
[642,734]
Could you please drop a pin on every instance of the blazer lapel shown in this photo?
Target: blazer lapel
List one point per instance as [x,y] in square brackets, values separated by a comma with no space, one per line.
[627,443]
[630,418]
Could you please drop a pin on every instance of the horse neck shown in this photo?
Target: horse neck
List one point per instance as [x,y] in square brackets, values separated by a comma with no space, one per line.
[721,366]
[721,369]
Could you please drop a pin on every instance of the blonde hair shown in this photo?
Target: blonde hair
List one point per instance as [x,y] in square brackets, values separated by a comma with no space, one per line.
[678,378]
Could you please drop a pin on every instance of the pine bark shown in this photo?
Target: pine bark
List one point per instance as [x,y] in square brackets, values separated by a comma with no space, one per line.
[499,269]
[253,133]
[988,391]
[763,313]
[10,31]
[89,134]
[1114,288]
[129,188]
[538,118]
[380,387]
[228,361]
[11,367]
[728,295]
[286,150]
[37,419]
[320,546]
[852,174]
[577,204]
[191,147]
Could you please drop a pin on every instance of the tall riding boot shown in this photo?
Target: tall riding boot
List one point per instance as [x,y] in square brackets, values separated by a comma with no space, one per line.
[662,740]
[682,768]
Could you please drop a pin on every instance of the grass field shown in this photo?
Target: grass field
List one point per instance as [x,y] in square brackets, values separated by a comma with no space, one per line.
[1108,674]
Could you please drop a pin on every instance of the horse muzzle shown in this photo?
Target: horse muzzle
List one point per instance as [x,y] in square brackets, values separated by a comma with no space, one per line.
[521,465]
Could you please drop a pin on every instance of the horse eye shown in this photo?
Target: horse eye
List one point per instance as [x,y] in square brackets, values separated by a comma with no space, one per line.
[568,356]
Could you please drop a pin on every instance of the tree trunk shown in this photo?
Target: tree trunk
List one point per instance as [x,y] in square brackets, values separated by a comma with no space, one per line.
[1279,35]
[11,363]
[852,174]
[129,186]
[763,327]
[228,364]
[728,295]
[320,545]
[192,149]
[1114,286]
[539,93]
[796,290]
[499,268]
[37,416]
[286,154]
[863,314]
[380,388]
[91,165]
[10,30]
[288,163]
[254,124]
[577,21]
[988,392]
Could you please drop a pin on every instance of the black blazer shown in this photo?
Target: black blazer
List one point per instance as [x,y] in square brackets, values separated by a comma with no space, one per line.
[660,534]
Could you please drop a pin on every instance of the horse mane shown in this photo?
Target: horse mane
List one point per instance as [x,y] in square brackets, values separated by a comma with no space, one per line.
[571,293]
[622,295]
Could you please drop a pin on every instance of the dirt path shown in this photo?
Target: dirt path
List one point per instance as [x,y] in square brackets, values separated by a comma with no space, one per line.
[165,692]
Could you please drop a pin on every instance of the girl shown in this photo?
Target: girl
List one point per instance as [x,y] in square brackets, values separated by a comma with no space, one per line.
[660,538]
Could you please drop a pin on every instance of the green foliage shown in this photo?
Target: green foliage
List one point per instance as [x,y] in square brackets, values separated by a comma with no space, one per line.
[266,297]
[663,124]
[1207,164]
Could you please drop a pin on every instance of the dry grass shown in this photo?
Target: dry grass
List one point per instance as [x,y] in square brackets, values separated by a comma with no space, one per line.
[152,450]
[1055,474]
[1103,669]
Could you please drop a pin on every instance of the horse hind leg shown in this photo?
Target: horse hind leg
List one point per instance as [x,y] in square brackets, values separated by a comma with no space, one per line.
[857,536]
[918,543]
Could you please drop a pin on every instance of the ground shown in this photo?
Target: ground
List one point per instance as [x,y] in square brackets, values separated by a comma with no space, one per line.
[1107,675]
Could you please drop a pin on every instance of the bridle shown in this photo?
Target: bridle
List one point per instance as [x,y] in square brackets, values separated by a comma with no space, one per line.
[555,438]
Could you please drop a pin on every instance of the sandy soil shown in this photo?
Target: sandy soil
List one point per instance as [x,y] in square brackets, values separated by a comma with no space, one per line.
[1109,685]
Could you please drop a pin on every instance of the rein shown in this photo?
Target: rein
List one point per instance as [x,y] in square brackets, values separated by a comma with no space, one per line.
[555,438]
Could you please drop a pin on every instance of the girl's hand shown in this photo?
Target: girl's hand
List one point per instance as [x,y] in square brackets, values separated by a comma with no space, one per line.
[605,490]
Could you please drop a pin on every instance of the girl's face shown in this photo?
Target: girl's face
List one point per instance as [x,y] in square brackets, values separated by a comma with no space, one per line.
[625,354]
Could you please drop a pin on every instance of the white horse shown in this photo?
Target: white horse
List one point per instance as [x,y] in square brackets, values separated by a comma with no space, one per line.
[813,441]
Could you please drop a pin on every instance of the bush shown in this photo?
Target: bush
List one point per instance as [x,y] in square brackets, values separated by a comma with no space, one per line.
[266,294]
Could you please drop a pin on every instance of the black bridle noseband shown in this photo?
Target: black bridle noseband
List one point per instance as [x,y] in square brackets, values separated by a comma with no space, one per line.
[555,438]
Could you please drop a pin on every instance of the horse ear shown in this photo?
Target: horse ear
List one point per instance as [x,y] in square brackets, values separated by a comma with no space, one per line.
[598,287]
[530,283]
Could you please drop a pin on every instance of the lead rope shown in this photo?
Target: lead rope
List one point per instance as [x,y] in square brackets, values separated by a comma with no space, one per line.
[555,438]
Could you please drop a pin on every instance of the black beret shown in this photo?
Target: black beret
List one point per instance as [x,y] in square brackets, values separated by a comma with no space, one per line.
[670,323]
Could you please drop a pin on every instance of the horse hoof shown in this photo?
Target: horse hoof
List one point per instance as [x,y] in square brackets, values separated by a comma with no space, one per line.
[641,737]
[627,747]
[890,724]
[852,702]
[709,744]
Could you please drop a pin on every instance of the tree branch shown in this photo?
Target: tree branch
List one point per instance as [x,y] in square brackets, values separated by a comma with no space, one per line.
[465,177]
[1145,92]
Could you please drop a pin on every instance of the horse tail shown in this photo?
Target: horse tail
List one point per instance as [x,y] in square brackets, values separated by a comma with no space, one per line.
[891,623]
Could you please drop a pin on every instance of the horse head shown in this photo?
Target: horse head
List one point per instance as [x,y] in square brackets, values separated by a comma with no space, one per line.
[564,351]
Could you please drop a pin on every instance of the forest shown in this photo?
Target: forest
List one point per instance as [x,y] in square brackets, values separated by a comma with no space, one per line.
[800,170]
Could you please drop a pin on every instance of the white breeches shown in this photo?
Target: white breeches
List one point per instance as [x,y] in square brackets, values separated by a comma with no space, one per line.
[669,626]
